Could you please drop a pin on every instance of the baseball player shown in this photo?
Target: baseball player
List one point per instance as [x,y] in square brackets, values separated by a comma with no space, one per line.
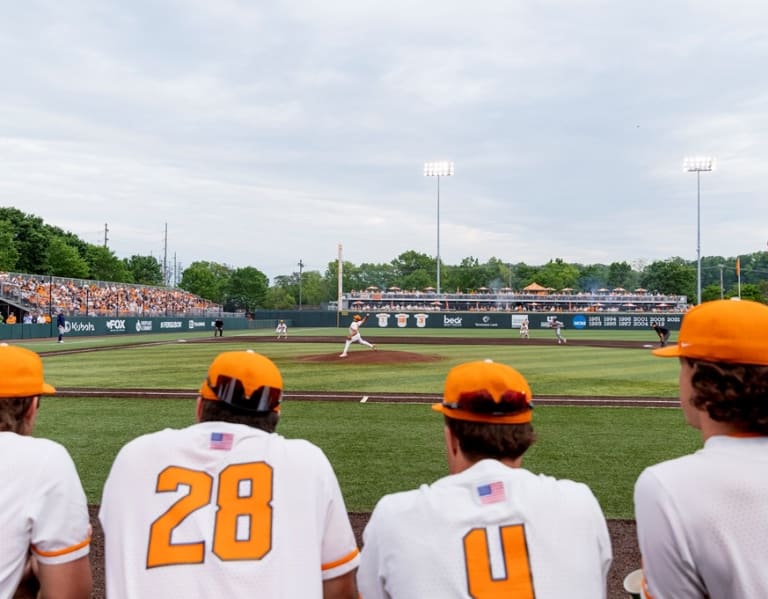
[490,528]
[43,509]
[61,325]
[558,326]
[702,519]
[353,335]
[662,332]
[524,328]
[281,330]
[227,507]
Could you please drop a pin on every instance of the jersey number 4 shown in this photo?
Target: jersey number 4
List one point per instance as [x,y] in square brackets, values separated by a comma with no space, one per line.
[237,509]
[518,582]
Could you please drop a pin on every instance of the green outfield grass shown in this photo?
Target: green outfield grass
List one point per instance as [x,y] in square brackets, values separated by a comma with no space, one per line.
[380,448]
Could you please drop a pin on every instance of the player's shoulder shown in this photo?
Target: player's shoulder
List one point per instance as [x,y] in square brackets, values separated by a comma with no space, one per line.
[25,445]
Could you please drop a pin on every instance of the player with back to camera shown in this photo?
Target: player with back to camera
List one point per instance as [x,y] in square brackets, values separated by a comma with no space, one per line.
[702,519]
[490,528]
[227,507]
[353,335]
[46,531]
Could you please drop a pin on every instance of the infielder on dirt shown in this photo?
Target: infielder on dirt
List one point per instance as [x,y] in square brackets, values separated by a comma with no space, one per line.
[353,335]
[490,528]
[227,507]
[45,529]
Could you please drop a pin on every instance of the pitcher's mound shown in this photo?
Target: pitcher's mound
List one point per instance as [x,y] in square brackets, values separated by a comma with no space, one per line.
[367,356]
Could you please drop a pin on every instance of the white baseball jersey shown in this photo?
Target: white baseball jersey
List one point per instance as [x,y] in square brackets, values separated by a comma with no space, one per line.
[354,329]
[223,510]
[489,531]
[42,507]
[702,521]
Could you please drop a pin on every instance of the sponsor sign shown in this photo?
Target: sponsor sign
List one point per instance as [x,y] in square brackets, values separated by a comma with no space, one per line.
[143,326]
[79,327]
[196,324]
[116,325]
[171,324]
[579,321]
[451,321]
[486,322]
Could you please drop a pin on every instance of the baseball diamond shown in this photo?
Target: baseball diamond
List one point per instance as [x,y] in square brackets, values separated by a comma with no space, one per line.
[626,553]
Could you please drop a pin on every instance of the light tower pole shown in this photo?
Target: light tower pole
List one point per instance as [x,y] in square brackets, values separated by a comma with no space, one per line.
[698,165]
[440,168]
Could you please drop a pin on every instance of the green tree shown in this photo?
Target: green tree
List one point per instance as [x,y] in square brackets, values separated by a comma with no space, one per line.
[9,255]
[467,276]
[558,274]
[672,276]
[65,261]
[748,292]
[378,275]
[31,240]
[593,277]
[411,261]
[144,270]
[278,298]
[416,280]
[105,266]
[523,275]
[246,289]
[620,274]
[206,279]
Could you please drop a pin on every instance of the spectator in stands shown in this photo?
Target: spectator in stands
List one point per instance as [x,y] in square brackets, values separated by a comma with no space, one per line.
[11,319]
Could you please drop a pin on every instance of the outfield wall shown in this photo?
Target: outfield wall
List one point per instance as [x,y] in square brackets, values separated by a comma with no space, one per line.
[267,319]
[478,320]
[119,326]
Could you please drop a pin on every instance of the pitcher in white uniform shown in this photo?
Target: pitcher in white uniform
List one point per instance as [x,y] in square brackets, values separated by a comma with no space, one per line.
[490,528]
[702,519]
[227,507]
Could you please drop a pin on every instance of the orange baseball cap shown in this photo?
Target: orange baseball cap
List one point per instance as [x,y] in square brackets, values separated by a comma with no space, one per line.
[730,331]
[21,373]
[244,379]
[486,391]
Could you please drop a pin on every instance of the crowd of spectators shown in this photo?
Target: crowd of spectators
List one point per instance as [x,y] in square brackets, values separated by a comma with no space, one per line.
[508,300]
[42,295]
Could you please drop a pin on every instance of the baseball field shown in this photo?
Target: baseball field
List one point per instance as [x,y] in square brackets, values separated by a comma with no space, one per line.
[604,406]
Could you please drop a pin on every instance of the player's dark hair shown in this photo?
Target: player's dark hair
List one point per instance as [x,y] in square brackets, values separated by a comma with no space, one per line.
[12,412]
[219,411]
[480,440]
[732,393]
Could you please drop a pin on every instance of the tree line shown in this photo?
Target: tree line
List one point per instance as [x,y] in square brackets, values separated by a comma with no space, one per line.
[30,246]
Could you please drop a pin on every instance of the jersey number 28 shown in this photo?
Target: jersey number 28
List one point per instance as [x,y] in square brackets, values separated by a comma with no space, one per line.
[233,507]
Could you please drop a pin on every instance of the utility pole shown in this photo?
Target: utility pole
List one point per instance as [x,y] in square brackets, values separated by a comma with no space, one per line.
[165,256]
[106,231]
[721,279]
[301,266]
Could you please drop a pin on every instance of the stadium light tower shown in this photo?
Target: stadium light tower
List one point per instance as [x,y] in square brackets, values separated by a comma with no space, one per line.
[440,168]
[698,165]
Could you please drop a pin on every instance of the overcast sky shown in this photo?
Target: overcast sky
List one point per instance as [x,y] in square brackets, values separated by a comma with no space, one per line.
[264,132]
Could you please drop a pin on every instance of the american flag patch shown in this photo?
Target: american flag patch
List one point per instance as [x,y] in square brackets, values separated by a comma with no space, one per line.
[221,441]
[492,492]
